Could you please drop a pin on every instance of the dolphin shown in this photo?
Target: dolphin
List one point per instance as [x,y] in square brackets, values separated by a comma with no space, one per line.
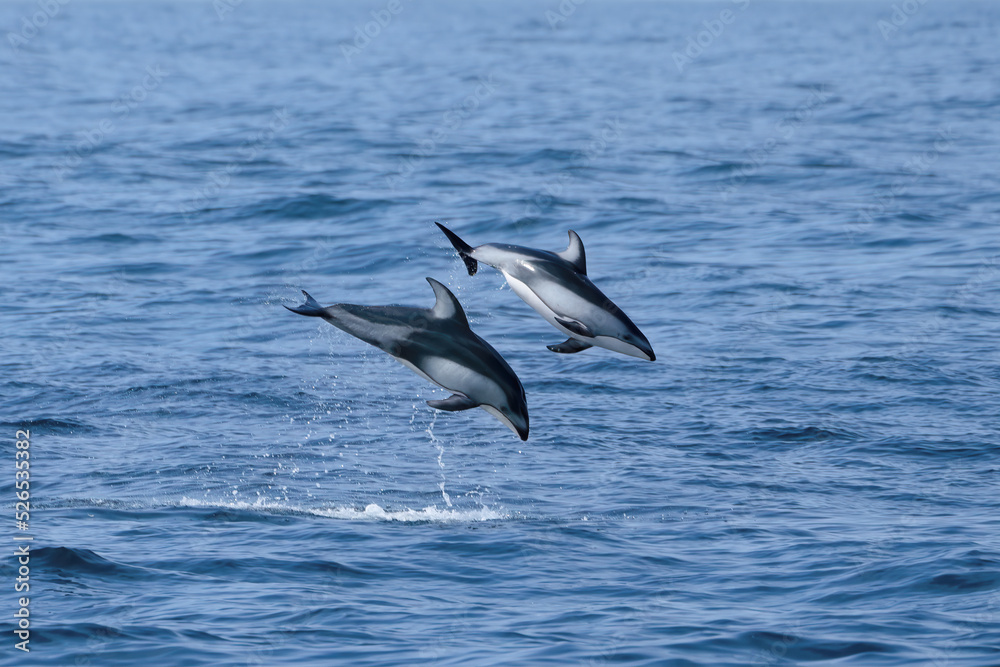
[438,345]
[556,285]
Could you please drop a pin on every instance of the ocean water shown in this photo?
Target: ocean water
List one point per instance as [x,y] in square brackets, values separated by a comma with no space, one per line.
[797,202]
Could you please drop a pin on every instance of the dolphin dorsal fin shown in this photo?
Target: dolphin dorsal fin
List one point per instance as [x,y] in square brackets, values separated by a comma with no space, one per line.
[447,306]
[574,253]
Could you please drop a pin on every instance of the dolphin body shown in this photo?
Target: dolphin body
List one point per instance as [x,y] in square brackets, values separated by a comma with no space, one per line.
[438,345]
[556,285]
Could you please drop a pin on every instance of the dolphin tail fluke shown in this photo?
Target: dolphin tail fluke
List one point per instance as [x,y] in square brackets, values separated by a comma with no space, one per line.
[310,308]
[463,248]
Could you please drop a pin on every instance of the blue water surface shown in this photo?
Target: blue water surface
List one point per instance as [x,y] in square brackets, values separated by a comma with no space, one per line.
[797,202]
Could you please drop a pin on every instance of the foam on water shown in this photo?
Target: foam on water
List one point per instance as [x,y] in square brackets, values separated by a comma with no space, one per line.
[370,512]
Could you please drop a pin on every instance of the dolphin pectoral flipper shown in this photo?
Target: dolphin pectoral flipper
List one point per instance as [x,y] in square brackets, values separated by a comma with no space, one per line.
[454,403]
[575,326]
[463,248]
[570,346]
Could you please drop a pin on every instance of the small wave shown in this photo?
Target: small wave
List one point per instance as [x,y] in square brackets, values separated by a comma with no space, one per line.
[799,434]
[309,207]
[114,238]
[75,562]
[962,582]
[50,425]
[370,512]
[724,167]
[634,203]
[16,148]
[556,155]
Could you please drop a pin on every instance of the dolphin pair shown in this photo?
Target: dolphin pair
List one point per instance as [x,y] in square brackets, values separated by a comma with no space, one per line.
[438,344]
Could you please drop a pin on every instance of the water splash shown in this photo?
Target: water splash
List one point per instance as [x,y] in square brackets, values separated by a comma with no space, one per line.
[440,459]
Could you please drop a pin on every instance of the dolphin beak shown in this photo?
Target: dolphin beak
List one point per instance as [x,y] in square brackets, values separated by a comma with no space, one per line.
[641,349]
[645,348]
[521,425]
[633,344]
[518,424]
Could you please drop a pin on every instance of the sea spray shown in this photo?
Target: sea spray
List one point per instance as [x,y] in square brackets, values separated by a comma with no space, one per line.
[440,459]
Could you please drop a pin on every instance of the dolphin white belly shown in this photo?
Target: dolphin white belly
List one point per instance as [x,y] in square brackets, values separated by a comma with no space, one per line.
[533,300]
[465,382]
